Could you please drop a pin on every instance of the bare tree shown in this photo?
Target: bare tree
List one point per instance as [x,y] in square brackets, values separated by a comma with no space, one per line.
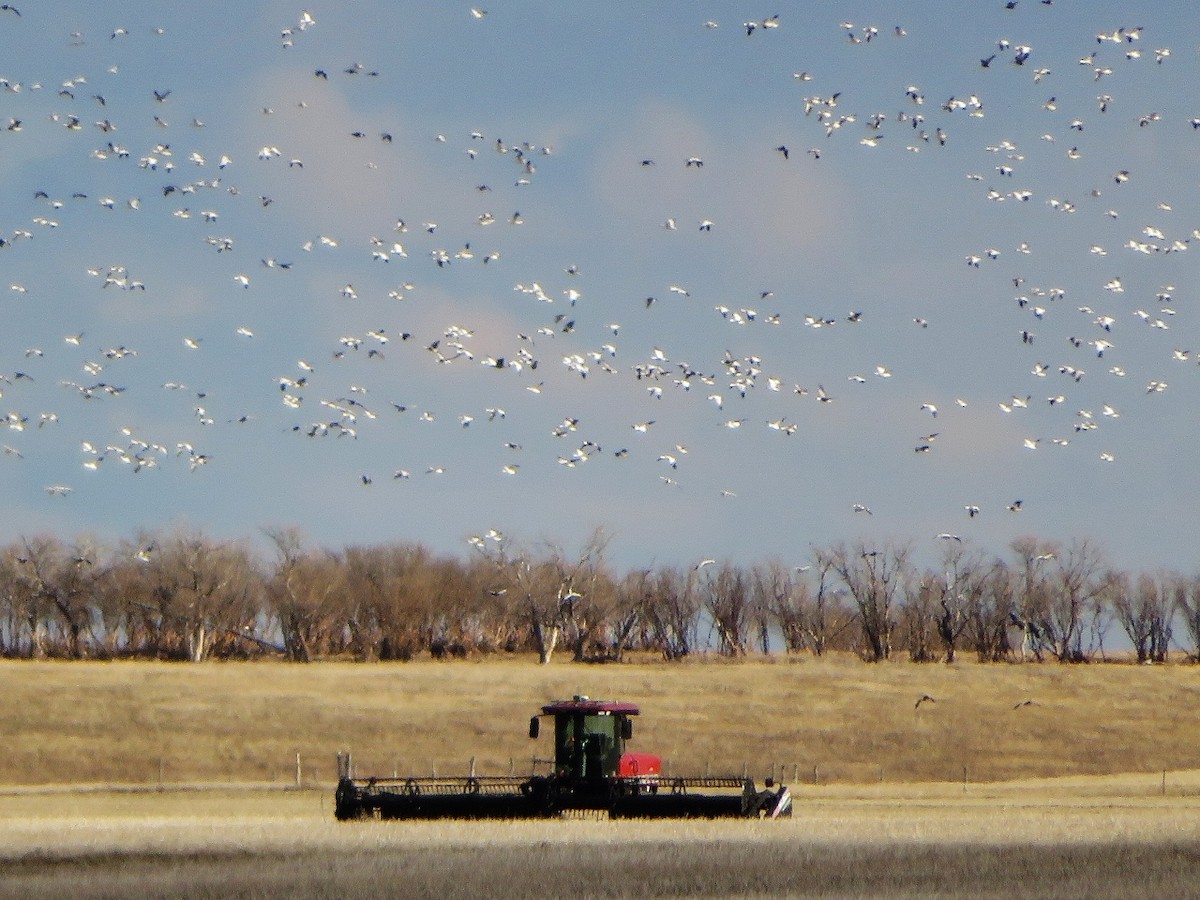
[671,608]
[781,597]
[397,590]
[1145,612]
[587,596]
[923,599]
[27,607]
[1077,584]
[1035,595]
[989,594]
[873,575]
[302,593]
[498,623]
[1100,615]
[726,597]
[550,593]
[60,580]
[11,623]
[830,618]
[120,591]
[541,594]
[450,610]
[202,592]
[1187,602]
[626,623]
[962,570]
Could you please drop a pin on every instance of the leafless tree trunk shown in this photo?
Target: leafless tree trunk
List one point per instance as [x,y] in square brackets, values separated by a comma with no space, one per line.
[399,588]
[29,611]
[923,599]
[1145,612]
[1036,604]
[301,593]
[61,580]
[10,623]
[1187,602]
[780,597]
[499,622]
[586,594]
[1076,583]
[628,620]
[725,595]
[989,596]
[551,592]
[873,575]
[963,572]
[200,592]
[671,610]
[830,618]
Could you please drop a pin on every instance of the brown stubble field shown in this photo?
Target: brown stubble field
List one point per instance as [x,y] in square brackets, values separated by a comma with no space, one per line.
[1063,797]
[1083,837]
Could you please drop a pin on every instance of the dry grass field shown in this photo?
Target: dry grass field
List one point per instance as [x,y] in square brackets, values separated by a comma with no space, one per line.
[1064,797]
[1083,837]
[137,722]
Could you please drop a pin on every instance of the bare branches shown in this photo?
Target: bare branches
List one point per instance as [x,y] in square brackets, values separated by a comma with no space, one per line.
[725,595]
[873,576]
[182,595]
[1187,601]
[671,608]
[1145,611]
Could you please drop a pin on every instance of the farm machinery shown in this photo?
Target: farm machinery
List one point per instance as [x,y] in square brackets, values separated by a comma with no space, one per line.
[592,771]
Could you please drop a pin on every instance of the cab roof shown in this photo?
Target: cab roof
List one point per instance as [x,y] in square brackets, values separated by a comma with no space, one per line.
[588,706]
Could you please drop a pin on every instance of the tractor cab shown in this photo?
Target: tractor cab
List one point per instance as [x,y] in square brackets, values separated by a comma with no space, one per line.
[589,740]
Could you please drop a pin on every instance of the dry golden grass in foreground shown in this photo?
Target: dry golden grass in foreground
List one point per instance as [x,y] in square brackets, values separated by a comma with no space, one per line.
[1080,837]
[137,722]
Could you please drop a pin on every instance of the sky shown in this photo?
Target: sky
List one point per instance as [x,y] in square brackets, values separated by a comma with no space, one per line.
[726,281]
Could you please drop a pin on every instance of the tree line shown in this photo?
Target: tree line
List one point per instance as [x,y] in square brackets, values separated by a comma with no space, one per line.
[181,595]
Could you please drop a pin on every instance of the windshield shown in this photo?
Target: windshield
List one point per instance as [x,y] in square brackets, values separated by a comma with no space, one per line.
[587,746]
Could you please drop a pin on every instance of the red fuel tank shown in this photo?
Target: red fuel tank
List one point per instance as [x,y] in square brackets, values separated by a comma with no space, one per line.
[633,765]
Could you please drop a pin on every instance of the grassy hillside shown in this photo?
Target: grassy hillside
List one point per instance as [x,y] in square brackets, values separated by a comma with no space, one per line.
[69,722]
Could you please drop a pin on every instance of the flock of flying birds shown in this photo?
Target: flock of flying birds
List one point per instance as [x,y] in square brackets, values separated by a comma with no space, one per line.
[570,332]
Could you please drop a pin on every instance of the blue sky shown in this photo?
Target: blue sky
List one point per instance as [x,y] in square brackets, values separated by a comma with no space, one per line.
[585,93]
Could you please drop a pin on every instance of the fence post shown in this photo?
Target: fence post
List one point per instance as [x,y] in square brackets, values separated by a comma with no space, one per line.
[299,771]
[964,779]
